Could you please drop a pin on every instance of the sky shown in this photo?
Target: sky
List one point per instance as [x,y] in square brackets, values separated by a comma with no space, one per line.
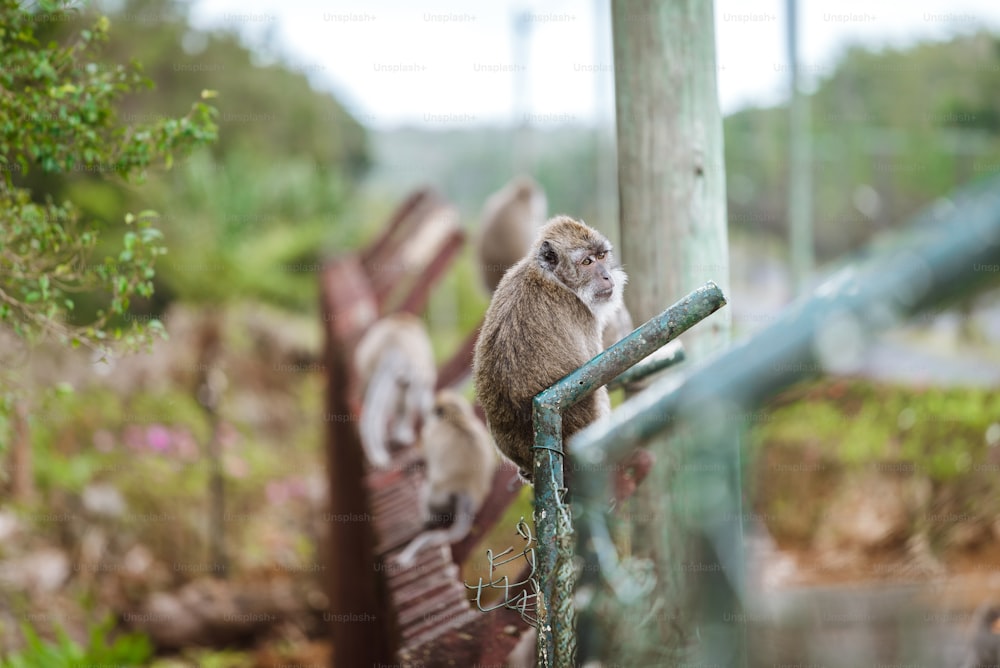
[455,62]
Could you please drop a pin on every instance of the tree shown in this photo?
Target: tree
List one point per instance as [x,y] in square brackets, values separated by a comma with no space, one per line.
[58,115]
[882,148]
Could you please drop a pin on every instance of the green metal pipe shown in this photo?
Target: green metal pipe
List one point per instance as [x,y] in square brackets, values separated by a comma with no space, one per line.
[553,528]
[648,367]
[941,257]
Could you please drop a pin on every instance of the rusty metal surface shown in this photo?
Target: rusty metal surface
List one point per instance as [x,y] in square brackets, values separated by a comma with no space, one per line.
[388,245]
[410,258]
[380,612]
[416,300]
[436,623]
[359,625]
[377,249]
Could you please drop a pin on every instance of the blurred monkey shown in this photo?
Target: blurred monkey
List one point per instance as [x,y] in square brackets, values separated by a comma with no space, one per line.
[395,364]
[460,460]
[985,650]
[509,222]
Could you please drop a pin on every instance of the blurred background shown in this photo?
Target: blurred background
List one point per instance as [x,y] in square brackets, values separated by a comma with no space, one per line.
[326,119]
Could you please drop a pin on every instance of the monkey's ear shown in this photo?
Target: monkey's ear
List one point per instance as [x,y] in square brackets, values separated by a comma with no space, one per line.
[547,256]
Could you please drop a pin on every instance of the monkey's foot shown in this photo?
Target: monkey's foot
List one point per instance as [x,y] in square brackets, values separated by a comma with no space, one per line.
[635,469]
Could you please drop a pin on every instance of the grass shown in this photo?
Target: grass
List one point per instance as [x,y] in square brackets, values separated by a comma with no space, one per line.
[815,438]
[941,431]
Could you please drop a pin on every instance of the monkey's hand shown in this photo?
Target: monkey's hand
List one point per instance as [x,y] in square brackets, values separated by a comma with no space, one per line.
[635,469]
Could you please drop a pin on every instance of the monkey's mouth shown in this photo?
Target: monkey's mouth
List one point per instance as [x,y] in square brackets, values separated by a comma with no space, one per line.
[604,294]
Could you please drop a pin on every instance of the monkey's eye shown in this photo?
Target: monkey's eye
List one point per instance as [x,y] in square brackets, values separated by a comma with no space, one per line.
[587,261]
[601,255]
[438,411]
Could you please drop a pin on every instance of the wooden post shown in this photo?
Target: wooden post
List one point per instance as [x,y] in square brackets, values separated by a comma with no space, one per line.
[671,178]
[671,182]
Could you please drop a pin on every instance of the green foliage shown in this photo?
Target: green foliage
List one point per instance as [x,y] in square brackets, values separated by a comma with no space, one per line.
[942,432]
[97,437]
[875,131]
[58,114]
[468,164]
[242,226]
[267,110]
[250,215]
[67,425]
[206,658]
[132,649]
[814,440]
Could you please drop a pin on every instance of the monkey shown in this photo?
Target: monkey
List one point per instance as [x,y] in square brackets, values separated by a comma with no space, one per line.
[508,224]
[395,365]
[544,321]
[460,463]
[985,650]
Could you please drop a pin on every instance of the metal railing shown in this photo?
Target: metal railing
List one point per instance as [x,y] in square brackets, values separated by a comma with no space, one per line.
[555,547]
[941,257]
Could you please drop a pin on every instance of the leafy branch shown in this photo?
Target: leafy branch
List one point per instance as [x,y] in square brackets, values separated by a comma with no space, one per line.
[59,114]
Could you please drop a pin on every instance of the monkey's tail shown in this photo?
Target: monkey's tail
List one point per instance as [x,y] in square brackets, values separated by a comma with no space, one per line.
[381,398]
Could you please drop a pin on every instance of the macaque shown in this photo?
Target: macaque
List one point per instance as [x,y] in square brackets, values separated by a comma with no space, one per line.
[509,221]
[546,319]
[395,364]
[460,463]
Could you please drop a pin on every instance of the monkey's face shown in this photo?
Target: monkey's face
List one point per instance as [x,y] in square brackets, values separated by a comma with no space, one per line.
[599,277]
[582,259]
[449,408]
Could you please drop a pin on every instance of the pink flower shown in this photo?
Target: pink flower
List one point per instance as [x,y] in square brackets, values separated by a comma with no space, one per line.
[158,438]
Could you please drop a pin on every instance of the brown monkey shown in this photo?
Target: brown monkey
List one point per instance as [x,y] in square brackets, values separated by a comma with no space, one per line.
[544,321]
[395,364]
[985,650]
[460,461]
[509,221]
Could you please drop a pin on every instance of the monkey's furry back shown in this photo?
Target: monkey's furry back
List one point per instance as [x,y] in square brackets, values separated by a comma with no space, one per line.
[524,347]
